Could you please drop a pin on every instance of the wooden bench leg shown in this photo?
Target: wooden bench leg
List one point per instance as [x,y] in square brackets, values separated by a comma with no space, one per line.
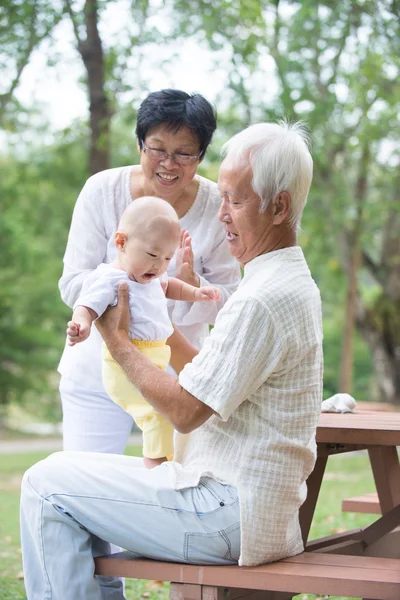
[313,486]
[185,591]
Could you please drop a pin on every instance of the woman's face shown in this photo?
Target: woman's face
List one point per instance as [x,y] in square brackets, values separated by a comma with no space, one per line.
[166,178]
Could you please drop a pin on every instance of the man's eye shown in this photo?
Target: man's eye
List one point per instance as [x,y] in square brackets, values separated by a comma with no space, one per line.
[182,154]
[152,255]
[166,258]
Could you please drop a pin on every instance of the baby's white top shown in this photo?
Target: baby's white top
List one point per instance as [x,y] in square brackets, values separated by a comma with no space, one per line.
[147,302]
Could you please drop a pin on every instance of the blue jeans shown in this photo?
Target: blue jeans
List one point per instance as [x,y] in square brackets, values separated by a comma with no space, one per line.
[75,504]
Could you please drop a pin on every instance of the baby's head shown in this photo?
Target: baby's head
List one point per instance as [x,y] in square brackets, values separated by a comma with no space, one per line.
[146,239]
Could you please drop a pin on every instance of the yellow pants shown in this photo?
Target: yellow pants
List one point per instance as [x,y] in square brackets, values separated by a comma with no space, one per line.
[157,431]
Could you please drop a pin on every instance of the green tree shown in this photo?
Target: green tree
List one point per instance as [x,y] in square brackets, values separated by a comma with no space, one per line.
[24,24]
[37,195]
[337,65]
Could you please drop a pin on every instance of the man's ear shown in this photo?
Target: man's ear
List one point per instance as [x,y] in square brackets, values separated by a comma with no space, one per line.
[139,146]
[120,240]
[281,207]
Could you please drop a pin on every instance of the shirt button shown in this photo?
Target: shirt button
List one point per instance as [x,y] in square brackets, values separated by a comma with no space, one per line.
[222,503]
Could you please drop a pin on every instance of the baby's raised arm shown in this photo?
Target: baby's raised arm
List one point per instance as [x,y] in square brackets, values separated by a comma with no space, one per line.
[179,290]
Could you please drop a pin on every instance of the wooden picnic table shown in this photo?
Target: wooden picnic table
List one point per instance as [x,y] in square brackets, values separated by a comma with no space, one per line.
[363,562]
[379,434]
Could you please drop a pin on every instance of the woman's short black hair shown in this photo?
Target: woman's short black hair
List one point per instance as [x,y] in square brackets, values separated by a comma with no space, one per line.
[176,108]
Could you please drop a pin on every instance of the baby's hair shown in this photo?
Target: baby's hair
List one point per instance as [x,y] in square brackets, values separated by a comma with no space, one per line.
[145,209]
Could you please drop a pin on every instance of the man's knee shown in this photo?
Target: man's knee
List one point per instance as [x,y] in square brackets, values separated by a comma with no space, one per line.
[43,474]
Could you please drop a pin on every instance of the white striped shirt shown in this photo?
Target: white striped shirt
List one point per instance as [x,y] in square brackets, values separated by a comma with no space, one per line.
[261,371]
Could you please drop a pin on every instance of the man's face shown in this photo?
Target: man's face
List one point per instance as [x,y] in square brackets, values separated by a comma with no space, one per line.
[246,228]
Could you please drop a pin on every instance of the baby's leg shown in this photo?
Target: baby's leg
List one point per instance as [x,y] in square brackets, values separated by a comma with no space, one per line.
[157,431]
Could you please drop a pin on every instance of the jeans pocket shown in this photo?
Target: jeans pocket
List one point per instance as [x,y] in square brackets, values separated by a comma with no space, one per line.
[216,547]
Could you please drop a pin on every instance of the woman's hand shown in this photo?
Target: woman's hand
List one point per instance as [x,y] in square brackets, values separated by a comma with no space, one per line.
[114,323]
[185,260]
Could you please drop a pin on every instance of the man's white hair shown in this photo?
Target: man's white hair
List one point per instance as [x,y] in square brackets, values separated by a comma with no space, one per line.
[279,156]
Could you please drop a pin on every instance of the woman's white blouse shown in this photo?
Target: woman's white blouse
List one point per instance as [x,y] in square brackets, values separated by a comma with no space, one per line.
[260,370]
[97,212]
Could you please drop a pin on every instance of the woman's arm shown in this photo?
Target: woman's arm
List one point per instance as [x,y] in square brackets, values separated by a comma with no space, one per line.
[182,351]
[87,241]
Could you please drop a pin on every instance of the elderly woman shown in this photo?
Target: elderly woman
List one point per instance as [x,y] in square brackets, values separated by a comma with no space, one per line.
[173,132]
[248,403]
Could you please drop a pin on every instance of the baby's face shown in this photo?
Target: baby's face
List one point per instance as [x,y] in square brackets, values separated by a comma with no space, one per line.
[148,257]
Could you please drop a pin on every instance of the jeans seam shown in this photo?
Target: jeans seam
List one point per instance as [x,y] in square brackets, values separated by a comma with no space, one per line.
[211,491]
[188,534]
[136,502]
[48,592]
[228,543]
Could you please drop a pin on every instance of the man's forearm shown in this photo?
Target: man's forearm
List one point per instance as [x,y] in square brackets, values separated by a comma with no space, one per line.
[160,389]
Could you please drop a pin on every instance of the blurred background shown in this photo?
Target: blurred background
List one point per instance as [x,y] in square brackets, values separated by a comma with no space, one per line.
[73,76]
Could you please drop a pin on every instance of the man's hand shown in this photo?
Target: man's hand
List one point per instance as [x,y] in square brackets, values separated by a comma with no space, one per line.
[114,323]
[185,260]
[207,294]
[77,332]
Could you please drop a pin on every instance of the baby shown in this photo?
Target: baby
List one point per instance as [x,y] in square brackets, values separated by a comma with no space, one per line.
[147,237]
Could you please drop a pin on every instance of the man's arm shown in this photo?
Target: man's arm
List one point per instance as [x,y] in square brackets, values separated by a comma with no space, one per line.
[160,389]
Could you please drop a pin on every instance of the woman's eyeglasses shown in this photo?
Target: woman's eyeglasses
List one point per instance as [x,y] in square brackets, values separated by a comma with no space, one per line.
[179,157]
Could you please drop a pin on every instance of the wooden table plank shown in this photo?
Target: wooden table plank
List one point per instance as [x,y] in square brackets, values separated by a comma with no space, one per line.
[371,428]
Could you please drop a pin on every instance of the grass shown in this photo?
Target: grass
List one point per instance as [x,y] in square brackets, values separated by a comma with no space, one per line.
[346,476]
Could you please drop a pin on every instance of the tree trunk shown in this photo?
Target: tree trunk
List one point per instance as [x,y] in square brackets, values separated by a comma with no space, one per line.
[380,323]
[346,366]
[380,327]
[352,261]
[92,54]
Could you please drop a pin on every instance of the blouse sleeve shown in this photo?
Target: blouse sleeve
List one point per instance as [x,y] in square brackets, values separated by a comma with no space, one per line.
[238,356]
[87,241]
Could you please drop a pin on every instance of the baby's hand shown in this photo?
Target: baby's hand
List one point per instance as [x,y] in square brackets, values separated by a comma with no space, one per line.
[77,332]
[207,294]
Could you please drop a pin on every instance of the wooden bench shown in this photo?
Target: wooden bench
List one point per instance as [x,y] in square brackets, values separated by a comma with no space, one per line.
[309,572]
[361,563]
[368,503]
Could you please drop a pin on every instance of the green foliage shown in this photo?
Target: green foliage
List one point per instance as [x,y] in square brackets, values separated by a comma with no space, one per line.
[37,196]
[337,66]
[23,25]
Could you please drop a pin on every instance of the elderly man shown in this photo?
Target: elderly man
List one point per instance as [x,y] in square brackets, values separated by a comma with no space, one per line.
[248,403]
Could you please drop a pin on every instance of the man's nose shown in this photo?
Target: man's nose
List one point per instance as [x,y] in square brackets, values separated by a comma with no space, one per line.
[223,214]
